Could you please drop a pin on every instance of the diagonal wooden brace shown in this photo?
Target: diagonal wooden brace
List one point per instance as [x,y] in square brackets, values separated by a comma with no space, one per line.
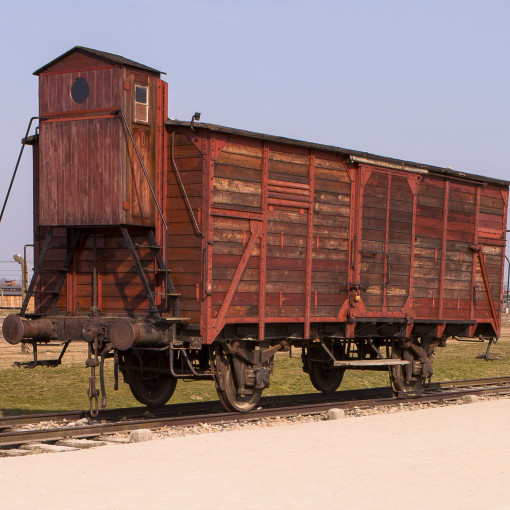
[256,232]
[486,283]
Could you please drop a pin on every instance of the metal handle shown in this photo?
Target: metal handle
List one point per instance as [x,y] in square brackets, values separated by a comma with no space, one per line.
[207,284]
[507,279]
[353,265]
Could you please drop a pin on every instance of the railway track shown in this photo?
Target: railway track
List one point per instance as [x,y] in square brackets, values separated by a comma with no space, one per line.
[13,431]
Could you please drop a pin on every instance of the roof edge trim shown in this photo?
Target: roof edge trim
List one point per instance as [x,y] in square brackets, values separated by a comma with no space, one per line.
[103,55]
[398,163]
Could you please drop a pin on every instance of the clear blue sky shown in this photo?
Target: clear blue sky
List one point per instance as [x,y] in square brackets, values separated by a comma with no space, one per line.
[427,81]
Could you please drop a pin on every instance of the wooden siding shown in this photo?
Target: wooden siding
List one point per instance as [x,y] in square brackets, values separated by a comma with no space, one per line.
[105,91]
[293,235]
[77,185]
[292,243]
[185,246]
[77,61]
[90,172]
[119,290]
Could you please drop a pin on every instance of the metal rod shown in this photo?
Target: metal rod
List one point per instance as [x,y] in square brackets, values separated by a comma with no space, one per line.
[106,350]
[42,255]
[327,351]
[25,282]
[196,227]
[207,288]
[374,348]
[139,269]
[182,375]
[94,274]
[478,340]
[120,113]
[23,143]
[507,280]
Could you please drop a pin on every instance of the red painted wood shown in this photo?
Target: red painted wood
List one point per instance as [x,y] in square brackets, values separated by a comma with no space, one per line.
[263,243]
[320,226]
[309,247]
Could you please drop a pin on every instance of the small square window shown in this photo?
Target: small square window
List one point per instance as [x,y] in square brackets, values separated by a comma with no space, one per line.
[141,103]
[141,94]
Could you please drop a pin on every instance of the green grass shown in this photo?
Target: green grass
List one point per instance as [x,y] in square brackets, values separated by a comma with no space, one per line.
[65,387]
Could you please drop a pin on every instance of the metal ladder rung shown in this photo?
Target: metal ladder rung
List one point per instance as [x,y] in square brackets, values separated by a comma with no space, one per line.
[169,294]
[148,246]
[159,270]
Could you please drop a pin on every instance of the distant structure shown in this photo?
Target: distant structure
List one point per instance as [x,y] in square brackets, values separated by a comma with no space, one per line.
[11,296]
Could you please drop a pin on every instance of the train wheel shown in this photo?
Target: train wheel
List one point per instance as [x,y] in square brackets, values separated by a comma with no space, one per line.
[401,376]
[152,390]
[229,395]
[324,378]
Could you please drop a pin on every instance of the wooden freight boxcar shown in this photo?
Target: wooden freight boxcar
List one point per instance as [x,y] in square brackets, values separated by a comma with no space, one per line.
[186,249]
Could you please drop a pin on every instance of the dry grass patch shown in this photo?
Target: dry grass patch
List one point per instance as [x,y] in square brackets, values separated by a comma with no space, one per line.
[65,387]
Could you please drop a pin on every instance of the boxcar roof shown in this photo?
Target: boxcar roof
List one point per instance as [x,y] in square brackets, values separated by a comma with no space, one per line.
[103,55]
[340,150]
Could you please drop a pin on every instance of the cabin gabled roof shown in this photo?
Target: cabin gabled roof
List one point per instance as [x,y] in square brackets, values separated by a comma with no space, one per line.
[102,55]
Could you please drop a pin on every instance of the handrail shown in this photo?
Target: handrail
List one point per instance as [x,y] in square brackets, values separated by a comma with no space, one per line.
[507,279]
[120,113]
[198,232]
[23,143]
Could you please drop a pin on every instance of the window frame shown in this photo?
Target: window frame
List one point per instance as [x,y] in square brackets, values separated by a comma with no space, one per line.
[138,118]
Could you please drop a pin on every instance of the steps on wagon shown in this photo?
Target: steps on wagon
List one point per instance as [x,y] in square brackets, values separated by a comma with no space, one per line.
[370,363]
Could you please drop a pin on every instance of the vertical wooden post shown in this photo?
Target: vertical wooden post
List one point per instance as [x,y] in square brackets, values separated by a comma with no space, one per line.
[413,186]
[472,311]
[206,227]
[504,195]
[309,246]
[161,181]
[386,241]
[263,243]
[443,249]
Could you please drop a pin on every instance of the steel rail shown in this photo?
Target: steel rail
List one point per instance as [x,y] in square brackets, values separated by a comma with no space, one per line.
[214,406]
[439,393]
[188,408]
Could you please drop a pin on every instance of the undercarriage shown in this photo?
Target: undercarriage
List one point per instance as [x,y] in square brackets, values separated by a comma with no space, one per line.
[152,355]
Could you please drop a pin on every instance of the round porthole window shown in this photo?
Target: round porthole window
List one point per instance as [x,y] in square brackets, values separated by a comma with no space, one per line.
[80,90]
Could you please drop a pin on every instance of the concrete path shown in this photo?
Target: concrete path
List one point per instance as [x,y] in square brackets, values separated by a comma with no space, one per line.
[455,458]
